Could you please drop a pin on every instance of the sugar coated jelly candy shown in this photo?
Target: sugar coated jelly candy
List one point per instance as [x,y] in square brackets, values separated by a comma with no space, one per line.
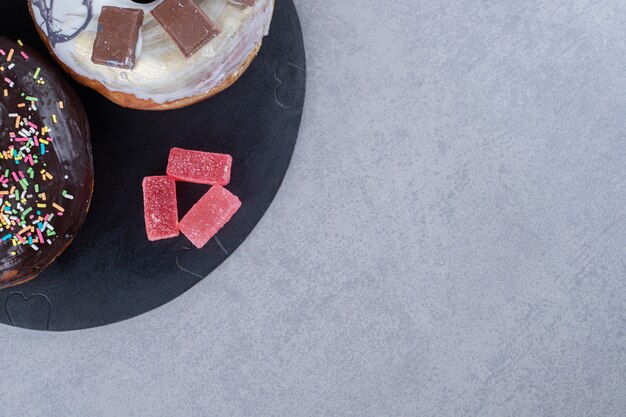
[209,215]
[199,167]
[160,207]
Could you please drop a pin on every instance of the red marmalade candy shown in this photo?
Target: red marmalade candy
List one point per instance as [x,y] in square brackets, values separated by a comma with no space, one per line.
[160,207]
[199,167]
[209,215]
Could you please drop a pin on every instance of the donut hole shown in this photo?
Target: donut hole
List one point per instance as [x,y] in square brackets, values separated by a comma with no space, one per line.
[143,1]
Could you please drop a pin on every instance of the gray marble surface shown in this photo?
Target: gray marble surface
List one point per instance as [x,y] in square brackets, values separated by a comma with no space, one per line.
[449,240]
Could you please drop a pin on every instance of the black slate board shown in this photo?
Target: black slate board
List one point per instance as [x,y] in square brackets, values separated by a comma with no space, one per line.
[111,272]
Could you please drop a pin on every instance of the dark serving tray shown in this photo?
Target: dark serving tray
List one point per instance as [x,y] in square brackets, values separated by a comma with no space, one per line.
[111,272]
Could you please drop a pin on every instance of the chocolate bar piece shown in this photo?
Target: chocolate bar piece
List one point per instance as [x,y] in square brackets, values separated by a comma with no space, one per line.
[186,23]
[116,39]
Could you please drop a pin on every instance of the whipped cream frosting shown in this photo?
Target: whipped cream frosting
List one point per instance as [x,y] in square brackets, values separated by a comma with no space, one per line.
[161,73]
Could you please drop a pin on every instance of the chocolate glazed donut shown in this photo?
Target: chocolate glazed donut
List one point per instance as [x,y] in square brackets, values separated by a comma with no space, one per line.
[46,175]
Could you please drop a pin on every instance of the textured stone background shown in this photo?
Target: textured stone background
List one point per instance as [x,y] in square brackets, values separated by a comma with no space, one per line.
[449,241]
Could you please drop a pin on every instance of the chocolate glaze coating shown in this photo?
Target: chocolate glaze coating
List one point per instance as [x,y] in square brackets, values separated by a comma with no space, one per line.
[68,158]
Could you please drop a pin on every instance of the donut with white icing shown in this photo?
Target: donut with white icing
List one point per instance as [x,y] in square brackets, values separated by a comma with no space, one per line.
[163,75]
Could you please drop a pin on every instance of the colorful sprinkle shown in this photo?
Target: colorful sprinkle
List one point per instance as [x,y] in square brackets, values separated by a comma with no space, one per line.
[27,212]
